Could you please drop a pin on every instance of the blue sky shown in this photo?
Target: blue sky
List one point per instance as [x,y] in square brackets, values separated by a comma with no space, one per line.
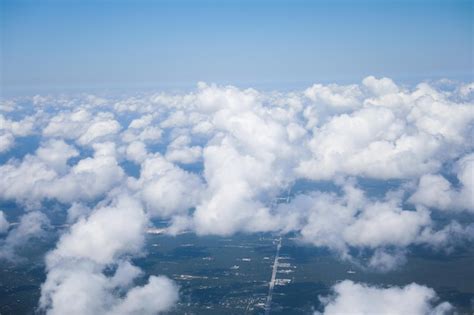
[56,44]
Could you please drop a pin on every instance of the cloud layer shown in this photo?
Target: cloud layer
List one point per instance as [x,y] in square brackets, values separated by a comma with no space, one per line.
[221,160]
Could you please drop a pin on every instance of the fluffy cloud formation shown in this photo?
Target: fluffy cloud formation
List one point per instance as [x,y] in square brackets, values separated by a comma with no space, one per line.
[222,160]
[180,151]
[21,127]
[82,126]
[32,225]
[75,282]
[55,154]
[106,234]
[47,175]
[351,220]
[335,96]
[437,192]
[396,134]
[219,159]
[166,189]
[355,298]
[9,129]
[6,142]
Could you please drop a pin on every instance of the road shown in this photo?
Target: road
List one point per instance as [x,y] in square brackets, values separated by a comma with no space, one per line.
[268,304]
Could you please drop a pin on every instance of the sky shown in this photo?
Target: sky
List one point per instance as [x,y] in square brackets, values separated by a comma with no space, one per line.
[97,44]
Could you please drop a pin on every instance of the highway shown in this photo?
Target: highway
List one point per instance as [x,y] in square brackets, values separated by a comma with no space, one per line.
[268,304]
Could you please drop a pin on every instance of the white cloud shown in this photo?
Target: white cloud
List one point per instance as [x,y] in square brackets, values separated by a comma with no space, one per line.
[253,145]
[381,86]
[68,125]
[353,220]
[7,140]
[7,105]
[20,128]
[82,126]
[136,151]
[437,192]
[334,95]
[37,176]
[32,225]
[234,182]
[76,211]
[185,155]
[150,134]
[158,295]
[380,228]
[141,122]
[397,134]
[383,260]
[99,130]
[81,288]
[105,235]
[75,282]
[9,129]
[369,142]
[448,237]
[56,153]
[466,90]
[382,224]
[355,298]
[179,150]
[89,178]
[166,189]
[125,274]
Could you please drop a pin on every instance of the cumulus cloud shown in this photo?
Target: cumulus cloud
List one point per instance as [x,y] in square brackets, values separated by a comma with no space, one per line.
[449,236]
[105,235]
[136,151]
[56,153]
[99,129]
[32,225]
[9,129]
[20,128]
[247,161]
[76,283]
[218,160]
[381,86]
[334,95]
[396,134]
[7,105]
[179,150]
[386,260]
[7,141]
[149,134]
[158,295]
[352,220]
[437,192]
[355,298]
[47,175]
[165,188]
[466,90]
[83,126]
